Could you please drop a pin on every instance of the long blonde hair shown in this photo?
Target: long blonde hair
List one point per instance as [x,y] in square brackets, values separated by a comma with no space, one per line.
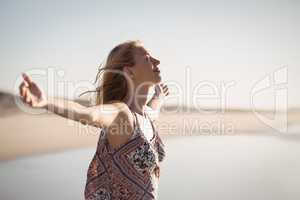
[112,85]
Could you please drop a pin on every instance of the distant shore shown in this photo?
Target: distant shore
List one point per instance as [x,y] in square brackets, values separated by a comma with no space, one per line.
[23,134]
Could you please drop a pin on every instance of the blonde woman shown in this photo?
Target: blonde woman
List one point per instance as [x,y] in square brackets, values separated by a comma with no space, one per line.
[126,164]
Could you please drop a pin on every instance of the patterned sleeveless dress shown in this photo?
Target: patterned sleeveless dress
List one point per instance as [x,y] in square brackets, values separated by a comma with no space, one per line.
[129,172]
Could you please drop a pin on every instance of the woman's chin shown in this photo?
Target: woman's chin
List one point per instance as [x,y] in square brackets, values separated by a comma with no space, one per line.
[157,79]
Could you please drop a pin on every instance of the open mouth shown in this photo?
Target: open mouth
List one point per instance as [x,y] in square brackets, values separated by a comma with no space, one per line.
[156,70]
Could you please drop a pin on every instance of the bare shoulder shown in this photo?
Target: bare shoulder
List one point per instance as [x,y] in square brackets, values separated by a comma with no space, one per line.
[121,129]
[105,114]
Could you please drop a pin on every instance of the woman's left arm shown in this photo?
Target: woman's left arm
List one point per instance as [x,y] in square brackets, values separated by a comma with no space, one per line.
[155,103]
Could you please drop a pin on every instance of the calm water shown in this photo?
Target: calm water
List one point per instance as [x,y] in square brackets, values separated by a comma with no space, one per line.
[203,167]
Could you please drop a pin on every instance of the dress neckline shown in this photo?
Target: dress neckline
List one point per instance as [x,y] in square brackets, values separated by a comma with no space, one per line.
[137,132]
[140,130]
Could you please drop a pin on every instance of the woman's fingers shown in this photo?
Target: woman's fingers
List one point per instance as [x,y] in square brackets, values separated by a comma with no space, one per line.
[27,97]
[25,93]
[31,102]
[27,78]
[33,87]
[164,89]
[23,98]
[22,91]
[21,88]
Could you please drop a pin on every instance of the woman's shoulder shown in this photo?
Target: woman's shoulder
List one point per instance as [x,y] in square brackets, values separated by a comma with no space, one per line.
[123,109]
[119,104]
[122,127]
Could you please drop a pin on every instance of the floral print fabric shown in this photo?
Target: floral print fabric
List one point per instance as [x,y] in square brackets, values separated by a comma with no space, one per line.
[128,172]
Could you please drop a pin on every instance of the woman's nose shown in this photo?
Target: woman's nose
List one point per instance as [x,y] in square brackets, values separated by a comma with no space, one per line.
[155,61]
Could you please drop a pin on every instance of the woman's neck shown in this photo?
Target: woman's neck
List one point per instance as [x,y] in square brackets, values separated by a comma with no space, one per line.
[138,100]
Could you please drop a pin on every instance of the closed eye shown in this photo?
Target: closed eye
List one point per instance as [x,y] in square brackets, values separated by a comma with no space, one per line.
[148,58]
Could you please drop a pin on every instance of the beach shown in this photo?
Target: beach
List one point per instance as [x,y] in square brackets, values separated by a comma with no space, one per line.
[45,156]
[227,73]
[201,167]
[25,134]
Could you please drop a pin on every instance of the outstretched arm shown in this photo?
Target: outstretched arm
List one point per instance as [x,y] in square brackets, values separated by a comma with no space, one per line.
[99,116]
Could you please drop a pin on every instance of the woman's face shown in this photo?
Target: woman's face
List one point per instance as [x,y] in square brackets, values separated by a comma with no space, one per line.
[146,68]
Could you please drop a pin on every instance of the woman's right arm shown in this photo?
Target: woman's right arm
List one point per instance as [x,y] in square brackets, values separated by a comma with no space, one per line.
[99,116]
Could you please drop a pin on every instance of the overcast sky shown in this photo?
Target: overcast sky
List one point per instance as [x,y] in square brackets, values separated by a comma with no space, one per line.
[238,42]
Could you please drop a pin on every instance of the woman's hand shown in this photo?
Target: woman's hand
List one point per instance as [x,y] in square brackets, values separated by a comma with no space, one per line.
[161,90]
[155,103]
[31,94]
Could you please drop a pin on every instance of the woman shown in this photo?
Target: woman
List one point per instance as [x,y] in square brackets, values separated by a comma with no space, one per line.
[127,159]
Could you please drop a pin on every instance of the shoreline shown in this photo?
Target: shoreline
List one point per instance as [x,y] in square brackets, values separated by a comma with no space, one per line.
[23,134]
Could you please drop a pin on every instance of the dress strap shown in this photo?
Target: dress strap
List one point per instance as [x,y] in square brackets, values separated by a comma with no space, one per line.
[153,127]
[136,125]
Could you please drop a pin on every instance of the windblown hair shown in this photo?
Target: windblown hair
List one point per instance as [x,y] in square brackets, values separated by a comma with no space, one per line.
[112,85]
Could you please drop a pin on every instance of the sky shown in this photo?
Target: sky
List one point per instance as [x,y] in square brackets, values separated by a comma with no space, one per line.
[235,54]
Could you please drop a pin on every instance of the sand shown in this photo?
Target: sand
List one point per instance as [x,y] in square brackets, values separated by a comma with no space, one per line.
[228,156]
[24,134]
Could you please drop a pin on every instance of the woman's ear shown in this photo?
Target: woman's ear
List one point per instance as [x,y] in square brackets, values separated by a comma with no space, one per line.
[128,72]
